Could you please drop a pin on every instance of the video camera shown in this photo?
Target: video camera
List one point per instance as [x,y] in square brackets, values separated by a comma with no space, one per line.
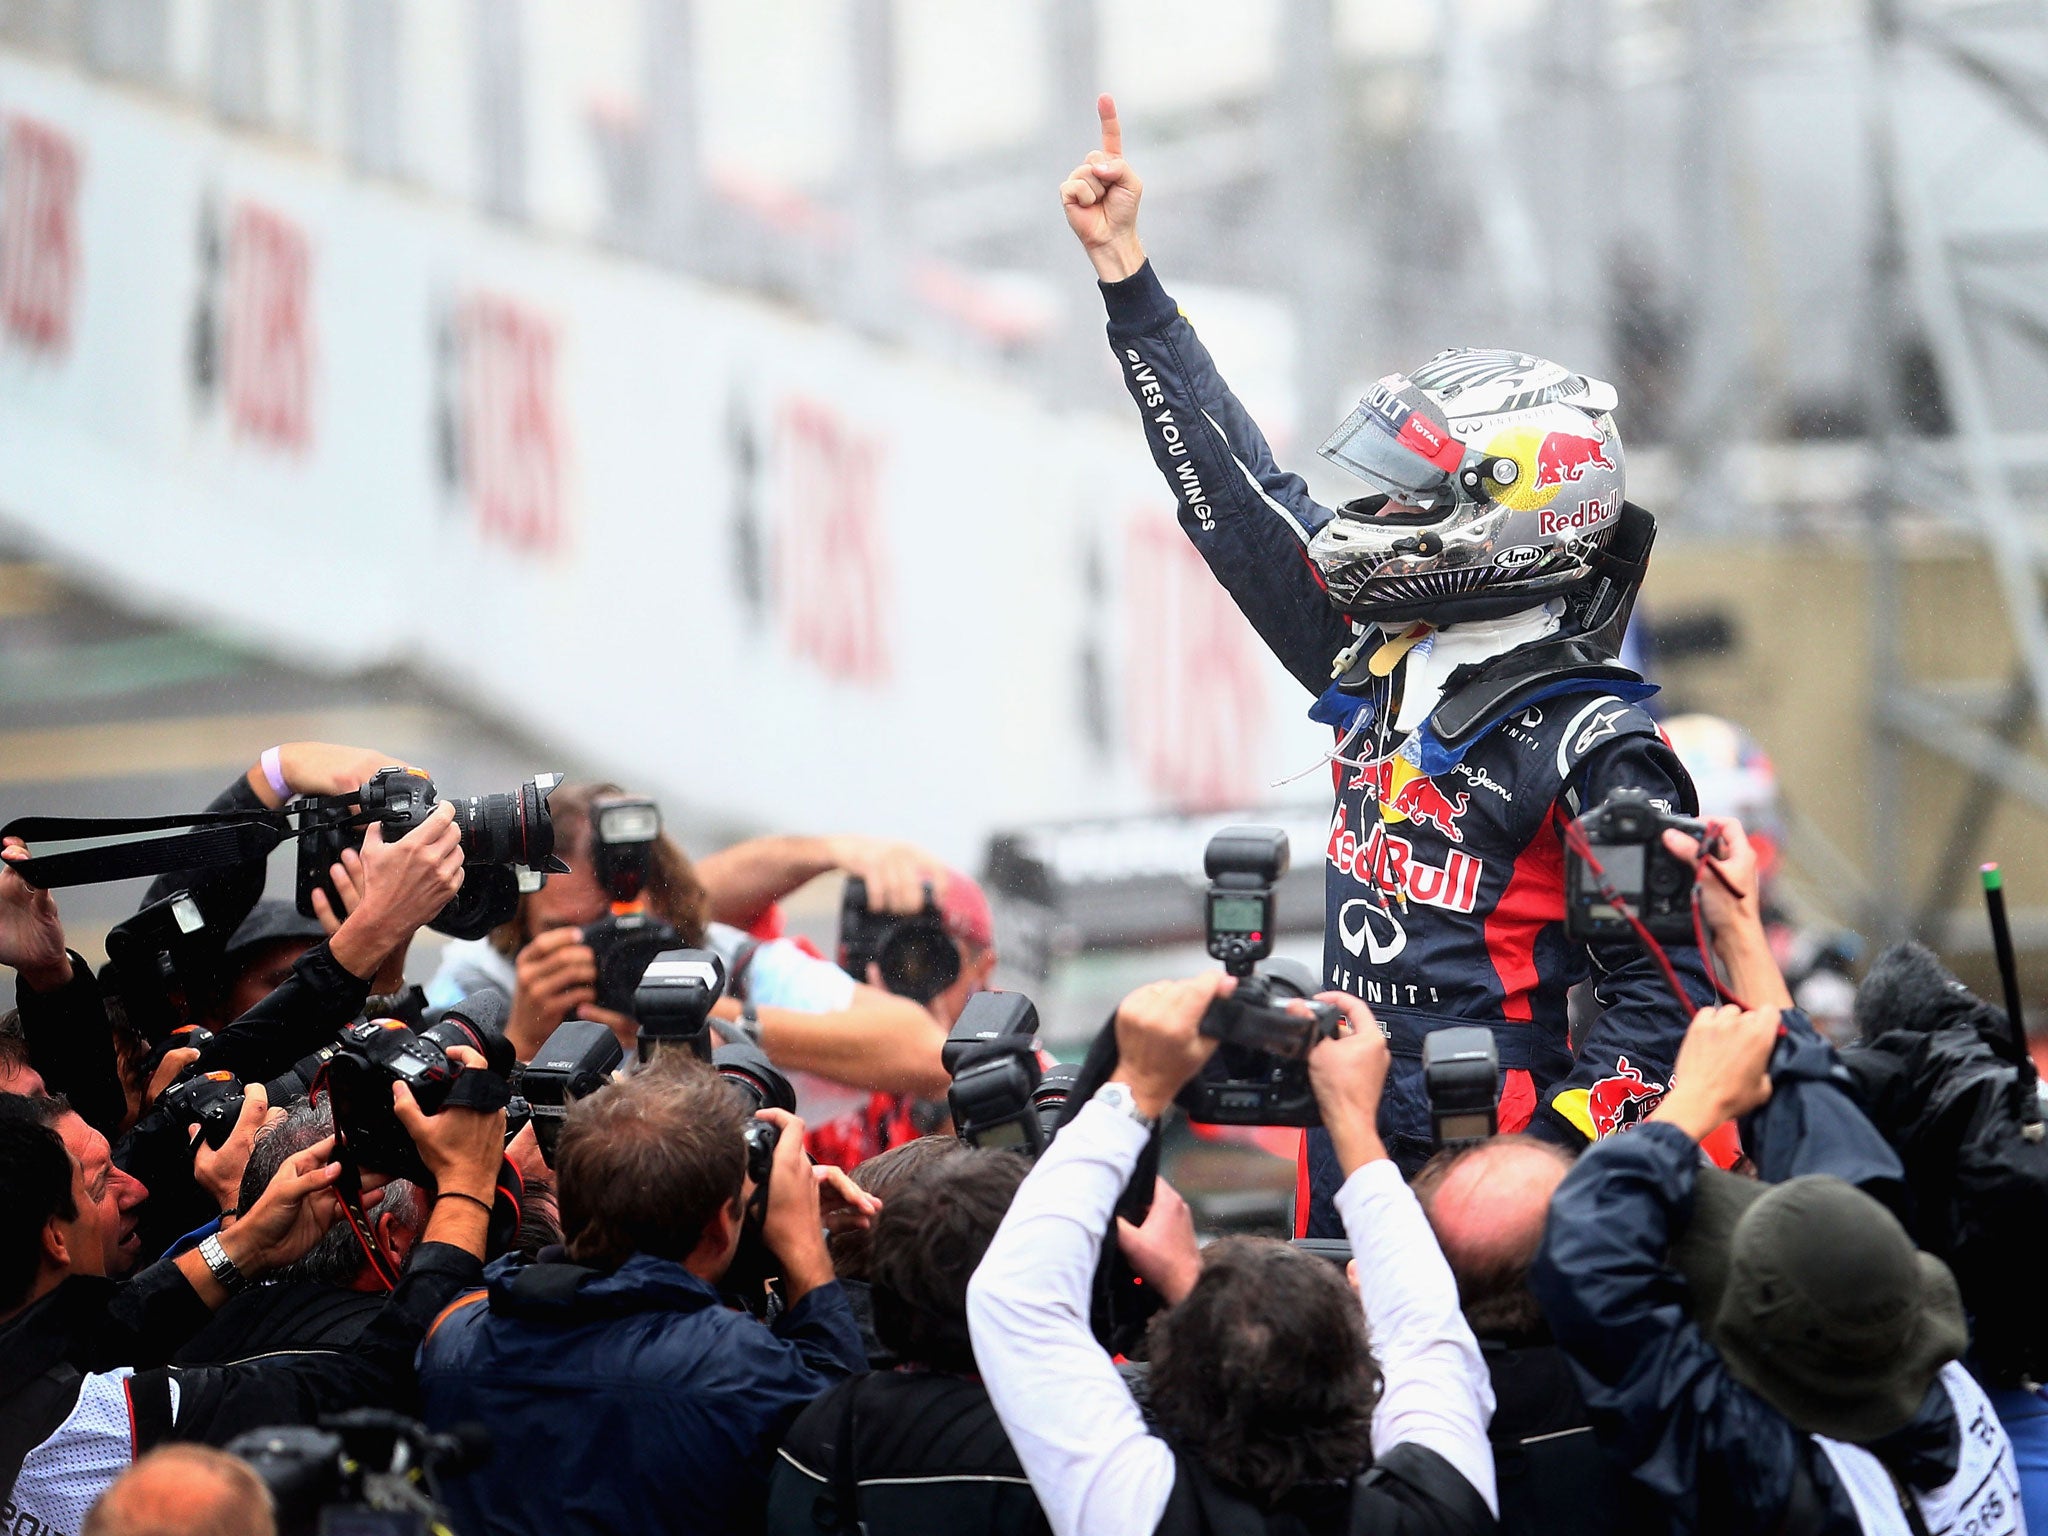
[623,832]
[572,1063]
[672,1003]
[998,1097]
[1616,863]
[1259,1074]
[365,1472]
[501,834]
[164,963]
[916,956]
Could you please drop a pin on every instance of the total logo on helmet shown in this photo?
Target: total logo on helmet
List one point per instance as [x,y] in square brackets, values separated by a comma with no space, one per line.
[1405,793]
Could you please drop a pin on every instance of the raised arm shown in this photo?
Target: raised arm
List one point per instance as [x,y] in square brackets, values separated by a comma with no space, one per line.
[1438,1393]
[743,881]
[1250,520]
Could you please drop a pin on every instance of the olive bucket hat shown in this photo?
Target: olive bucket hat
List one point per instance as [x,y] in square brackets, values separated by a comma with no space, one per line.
[1818,1301]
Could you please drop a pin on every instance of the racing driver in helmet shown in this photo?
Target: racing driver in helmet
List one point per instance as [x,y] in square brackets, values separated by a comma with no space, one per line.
[1458,629]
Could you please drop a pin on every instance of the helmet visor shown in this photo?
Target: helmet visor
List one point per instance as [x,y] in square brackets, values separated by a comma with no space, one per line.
[1395,443]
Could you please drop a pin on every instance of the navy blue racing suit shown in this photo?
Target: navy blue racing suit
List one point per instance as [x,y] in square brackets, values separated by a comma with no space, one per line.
[1445,866]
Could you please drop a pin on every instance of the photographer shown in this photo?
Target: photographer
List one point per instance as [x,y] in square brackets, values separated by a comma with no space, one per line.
[677,1402]
[81,1390]
[1457,630]
[1272,1411]
[917,1448]
[804,1012]
[1796,1370]
[328,1297]
[1487,1204]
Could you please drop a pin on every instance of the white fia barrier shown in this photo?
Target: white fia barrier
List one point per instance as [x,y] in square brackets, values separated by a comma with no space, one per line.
[748,562]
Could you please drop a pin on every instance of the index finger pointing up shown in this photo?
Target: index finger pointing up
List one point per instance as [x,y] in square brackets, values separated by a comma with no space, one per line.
[1112,131]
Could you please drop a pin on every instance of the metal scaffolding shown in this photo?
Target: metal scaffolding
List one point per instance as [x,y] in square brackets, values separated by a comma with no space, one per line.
[1959,97]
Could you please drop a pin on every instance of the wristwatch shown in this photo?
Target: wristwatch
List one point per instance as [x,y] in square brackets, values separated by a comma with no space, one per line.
[220,1266]
[1118,1096]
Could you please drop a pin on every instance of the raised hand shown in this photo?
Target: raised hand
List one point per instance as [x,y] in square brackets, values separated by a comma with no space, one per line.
[1101,199]
[31,933]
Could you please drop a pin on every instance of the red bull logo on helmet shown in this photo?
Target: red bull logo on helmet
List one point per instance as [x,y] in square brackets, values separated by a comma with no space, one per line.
[1405,793]
[1566,456]
[1388,862]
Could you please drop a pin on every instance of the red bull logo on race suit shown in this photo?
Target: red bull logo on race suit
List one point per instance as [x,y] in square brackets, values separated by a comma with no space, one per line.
[1404,793]
[1388,862]
[1616,1103]
[1566,456]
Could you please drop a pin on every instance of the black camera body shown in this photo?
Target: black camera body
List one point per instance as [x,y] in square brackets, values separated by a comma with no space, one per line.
[993,1056]
[917,958]
[572,1063]
[165,963]
[210,1100]
[1461,1076]
[1259,1074]
[500,834]
[625,944]
[370,1056]
[1626,835]
[672,1003]
[760,1087]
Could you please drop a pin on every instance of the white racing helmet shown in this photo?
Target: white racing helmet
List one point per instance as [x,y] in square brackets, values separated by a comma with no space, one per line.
[1500,477]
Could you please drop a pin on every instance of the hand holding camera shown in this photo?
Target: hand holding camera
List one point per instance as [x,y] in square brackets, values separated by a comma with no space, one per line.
[217,1168]
[1731,902]
[555,979]
[319,768]
[460,1148]
[405,885]
[1160,1044]
[1162,1249]
[794,1226]
[1348,1072]
[31,932]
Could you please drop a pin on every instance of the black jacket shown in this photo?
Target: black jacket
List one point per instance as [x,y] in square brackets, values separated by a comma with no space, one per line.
[63,1359]
[1721,1458]
[1553,1473]
[1411,1491]
[293,1315]
[902,1453]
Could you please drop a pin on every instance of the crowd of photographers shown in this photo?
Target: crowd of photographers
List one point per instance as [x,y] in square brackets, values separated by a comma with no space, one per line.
[642,1216]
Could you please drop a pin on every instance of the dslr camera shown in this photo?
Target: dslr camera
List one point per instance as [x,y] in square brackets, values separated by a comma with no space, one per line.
[1259,1074]
[759,1086]
[210,1100]
[623,832]
[372,1054]
[1629,865]
[501,835]
[917,957]
[997,1088]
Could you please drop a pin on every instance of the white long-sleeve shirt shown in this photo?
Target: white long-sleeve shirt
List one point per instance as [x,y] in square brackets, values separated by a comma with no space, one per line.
[1096,1469]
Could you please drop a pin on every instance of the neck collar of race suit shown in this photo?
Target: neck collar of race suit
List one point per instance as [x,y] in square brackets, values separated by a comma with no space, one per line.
[1432,660]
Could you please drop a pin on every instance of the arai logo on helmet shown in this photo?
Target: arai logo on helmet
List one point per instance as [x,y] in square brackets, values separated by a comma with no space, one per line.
[1518,557]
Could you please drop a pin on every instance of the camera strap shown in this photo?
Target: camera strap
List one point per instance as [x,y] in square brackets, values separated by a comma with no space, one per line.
[204,840]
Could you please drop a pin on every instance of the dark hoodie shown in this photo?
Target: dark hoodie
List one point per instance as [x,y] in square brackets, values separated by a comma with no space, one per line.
[629,1401]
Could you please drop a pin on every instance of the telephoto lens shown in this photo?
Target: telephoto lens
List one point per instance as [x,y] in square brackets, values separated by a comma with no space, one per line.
[757,1079]
[510,829]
